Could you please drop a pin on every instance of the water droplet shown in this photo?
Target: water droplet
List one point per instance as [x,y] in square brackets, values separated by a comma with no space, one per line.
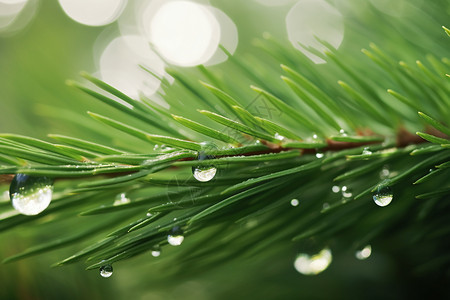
[149,214]
[279,137]
[384,173]
[319,154]
[342,132]
[175,237]
[295,202]
[31,195]
[315,137]
[346,193]
[121,199]
[383,196]
[156,251]
[335,189]
[106,271]
[325,206]
[364,253]
[205,173]
[315,264]
[366,151]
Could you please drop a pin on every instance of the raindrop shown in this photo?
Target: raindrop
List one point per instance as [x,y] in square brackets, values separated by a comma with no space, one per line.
[315,137]
[346,193]
[364,253]
[384,173]
[342,132]
[175,236]
[149,214]
[315,264]
[156,251]
[106,271]
[335,189]
[31,195]
[319,154]
[366,151]
[279,137]
[121,199]
[295,202]
[205,173]
[383,196]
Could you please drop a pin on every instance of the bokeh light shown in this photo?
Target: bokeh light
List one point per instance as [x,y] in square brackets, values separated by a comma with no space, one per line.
[275,2]
[119,66]
[184,33]
[309,19]
[229,37]
[313,265]
[93,12]
[15,15]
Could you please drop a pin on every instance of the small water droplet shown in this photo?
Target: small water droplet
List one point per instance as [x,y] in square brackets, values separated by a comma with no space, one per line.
[175,236]
[205,173]
[366,151]
[149,214]
[31,195]
[319,154]
[315,137]
[383,196]
[279,137]
[325,206]
[364,253]
[384,173]
[121,199]
[156,251]
[106,271]
[342,132]
[295,202]
[315,264]
[335,189]
[346,193]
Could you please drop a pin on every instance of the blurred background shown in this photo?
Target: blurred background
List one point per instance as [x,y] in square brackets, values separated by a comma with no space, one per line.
[44,43]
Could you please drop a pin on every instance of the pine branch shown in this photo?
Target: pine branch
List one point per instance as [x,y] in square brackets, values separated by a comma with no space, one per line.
[257,167]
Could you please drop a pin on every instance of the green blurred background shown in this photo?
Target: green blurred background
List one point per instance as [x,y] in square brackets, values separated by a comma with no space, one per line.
[34,65]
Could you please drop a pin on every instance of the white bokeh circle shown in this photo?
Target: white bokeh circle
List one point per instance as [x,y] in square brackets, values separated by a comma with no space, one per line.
[120,66]
[183,32]
[309,19]
[229,38]
[93,12]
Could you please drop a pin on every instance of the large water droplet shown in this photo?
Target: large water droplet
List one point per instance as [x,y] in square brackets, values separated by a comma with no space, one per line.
[106,271]
[315,264]
[205,173]
[335,189]
[383,196]
[175,237]
[31,195]
[364,253]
